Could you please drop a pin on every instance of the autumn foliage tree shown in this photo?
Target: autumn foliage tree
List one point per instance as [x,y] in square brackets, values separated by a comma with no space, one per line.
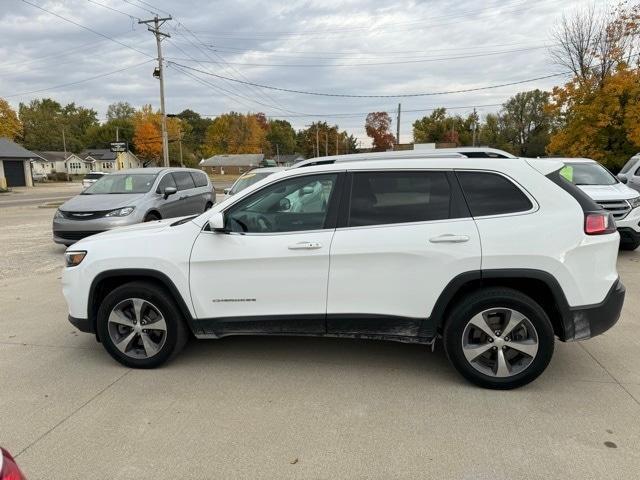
[235,133]
[10,125]
[377,127]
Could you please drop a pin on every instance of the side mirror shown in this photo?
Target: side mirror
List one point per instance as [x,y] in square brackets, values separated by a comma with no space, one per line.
[169,191]
[227,191]
[216,222]
[622,178]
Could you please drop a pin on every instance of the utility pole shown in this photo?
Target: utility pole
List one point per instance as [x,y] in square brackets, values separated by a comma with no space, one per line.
[157,23]
[317,140]
[337,142]
[64,145]
[278,153]
[398,125]
[326,144]
[474,126]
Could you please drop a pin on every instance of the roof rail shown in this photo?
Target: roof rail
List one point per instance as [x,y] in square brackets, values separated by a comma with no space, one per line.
[462,152]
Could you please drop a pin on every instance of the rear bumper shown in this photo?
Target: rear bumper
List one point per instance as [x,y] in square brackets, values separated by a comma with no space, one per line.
[82,324]
[591,320]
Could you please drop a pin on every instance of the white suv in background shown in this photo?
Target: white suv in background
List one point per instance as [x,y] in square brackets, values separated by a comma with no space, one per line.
[614,196]
[495,256]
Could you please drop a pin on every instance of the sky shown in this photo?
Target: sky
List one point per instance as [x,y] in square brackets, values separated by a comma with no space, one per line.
[346,47]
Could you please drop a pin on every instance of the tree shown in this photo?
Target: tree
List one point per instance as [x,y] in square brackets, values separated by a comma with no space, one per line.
[234,133]
[326,137]
[194,129]
[439,127]
[599,122]
[526,123]
[377,127]
[10,125]
[148,141]
[591,44]
[120,111]
[281,136]
[43,121]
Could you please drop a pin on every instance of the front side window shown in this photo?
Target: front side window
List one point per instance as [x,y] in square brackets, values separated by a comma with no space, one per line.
[294,204]
[492,194]
[379,198]
[115,183]
[166,181]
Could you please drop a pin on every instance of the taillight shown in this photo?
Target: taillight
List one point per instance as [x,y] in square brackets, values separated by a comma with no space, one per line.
[599,223]
[8,468]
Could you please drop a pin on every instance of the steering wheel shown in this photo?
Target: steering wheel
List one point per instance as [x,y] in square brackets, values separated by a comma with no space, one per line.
[263,223]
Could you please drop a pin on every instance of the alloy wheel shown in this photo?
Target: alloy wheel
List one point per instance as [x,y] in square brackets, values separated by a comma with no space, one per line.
[500,342]
[137,328]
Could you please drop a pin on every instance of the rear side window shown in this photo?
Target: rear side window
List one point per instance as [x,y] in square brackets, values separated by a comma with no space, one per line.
[184,181]
[630,163]
[492,194]
[379,198]
[200,179]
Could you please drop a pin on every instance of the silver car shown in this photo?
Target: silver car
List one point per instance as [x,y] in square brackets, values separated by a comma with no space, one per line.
[133,196]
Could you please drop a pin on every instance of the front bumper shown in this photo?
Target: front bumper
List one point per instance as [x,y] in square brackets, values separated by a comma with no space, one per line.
[67,231]
[588,321]
[628,235]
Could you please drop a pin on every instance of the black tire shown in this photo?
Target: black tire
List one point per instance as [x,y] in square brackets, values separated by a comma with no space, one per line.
[177,332]
[498,297]
[151,217]
[208,206]
[629,244]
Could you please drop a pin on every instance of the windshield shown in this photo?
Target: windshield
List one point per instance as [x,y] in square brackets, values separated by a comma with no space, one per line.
[247,180]
[122,183]
[93,176]
[588,174]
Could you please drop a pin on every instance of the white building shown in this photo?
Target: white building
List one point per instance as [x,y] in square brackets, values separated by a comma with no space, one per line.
[91,160]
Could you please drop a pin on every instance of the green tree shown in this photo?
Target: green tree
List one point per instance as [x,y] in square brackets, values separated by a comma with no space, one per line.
[439,127]
[326,140]
[282,134]
[120,111]
[193,136]
[527,123]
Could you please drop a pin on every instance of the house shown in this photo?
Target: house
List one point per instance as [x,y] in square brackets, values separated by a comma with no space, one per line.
[15,165]
[287,160]
[234,164]
[91,160]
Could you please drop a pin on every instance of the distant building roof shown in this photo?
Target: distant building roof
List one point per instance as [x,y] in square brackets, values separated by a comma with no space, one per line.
[234,160]
[52,156]
[10,149]
[102,154]
[288,158]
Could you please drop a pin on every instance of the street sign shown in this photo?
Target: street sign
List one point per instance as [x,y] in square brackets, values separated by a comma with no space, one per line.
[118,146]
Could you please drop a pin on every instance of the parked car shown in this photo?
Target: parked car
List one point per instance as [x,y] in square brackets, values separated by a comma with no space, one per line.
[9,469]
[133,196]
[630,172]
[496,256]
[249,178]
[614,196]
[39,176]
[91,178]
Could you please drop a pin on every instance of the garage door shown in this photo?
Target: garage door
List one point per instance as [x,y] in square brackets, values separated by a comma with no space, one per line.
[14,173]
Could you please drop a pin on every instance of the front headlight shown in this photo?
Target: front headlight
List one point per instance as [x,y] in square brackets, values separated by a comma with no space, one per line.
[74,258]
[121,212]
[634,202]
[58,214]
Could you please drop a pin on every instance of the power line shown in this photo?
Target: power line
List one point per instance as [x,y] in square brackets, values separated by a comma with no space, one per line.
[132,17]
[402,62]
[86,28]
[402,95]
[152,12]
[62,85]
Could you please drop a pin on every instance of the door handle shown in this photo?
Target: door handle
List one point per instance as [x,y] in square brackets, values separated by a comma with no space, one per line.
[305,246]
[449,238]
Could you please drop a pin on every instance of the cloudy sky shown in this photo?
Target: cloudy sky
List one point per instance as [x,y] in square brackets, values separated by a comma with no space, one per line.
[352,47]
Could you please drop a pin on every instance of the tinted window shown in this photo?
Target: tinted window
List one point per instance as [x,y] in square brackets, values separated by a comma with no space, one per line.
[166,181]
[483,155]
[588,174]
[184,181]
[200,179]
[290,205]
[492,194]
[379,198]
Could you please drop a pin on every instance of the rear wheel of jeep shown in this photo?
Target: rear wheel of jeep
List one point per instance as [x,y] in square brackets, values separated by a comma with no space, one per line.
[499,338]
[140,325]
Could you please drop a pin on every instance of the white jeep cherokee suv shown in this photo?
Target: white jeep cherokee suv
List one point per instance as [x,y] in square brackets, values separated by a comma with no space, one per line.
[495,256]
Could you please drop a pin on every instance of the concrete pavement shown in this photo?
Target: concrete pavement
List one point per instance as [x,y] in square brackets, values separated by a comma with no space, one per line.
[252,407]
[40,193]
